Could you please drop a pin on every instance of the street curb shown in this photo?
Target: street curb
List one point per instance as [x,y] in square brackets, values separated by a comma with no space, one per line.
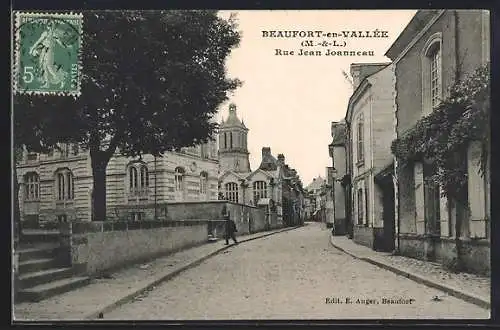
[468,297]
[172,274]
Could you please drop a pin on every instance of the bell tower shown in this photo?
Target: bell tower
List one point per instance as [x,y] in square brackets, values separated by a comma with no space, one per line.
[233,152]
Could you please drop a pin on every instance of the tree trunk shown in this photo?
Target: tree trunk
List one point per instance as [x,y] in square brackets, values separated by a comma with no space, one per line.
[99,164]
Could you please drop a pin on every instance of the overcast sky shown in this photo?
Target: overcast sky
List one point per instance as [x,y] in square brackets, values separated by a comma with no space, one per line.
[289,102]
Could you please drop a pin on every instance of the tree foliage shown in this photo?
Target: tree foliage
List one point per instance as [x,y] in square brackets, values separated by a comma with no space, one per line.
[152,81]
[444,135]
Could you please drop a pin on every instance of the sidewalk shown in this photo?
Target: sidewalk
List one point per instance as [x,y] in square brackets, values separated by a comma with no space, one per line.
[105,294]
[471,288]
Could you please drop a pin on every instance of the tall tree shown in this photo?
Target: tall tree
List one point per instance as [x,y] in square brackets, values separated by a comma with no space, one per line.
[152,81]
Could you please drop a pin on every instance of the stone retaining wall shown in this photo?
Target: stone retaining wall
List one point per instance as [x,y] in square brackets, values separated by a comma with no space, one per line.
[99,246]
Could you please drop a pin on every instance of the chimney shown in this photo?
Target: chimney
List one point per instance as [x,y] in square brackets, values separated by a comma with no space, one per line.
[360,71]
[281,159]
[266,151]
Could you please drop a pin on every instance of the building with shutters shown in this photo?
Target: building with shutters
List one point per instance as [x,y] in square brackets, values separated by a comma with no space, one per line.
[437,48]
[369,120]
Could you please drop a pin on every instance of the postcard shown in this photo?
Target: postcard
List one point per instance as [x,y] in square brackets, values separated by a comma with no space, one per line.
[225,165]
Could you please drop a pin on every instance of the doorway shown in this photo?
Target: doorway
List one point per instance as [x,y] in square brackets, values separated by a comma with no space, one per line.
[388,214]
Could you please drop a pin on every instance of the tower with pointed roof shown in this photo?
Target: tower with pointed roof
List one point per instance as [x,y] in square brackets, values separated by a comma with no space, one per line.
[233,151]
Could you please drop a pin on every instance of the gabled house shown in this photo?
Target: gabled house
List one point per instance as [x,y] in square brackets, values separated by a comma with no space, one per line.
[317,194]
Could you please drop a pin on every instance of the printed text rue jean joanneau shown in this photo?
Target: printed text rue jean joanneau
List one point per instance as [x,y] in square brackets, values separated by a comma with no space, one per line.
[328,52]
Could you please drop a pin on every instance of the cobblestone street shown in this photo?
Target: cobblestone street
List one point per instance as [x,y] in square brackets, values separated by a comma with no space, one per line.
[291,275]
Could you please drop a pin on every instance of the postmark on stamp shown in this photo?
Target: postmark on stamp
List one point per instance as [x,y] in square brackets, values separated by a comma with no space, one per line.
[47,56]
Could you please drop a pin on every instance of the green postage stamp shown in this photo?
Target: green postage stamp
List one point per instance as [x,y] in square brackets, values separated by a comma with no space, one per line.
[47,53]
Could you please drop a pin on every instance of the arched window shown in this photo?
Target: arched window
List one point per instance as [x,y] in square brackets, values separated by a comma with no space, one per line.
[203,183]
[259,191]
[138,179]
[132,172]
[435,74]
[431,74]
[32,186]
[231,140]
[179,179]
[225,140]
[65,189]
[232,192]
[144,176]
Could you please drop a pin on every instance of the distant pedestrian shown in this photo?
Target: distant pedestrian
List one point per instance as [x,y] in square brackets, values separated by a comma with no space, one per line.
[230,230]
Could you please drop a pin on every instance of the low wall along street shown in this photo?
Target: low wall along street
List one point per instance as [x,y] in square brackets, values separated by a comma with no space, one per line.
[474,253]
[95,247]
[110,245]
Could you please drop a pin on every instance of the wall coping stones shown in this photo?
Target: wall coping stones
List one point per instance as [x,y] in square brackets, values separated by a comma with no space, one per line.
[163,204]
[102,226]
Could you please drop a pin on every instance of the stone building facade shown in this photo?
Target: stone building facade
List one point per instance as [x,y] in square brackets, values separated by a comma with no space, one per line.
[317,196]
[436,48]
[337,152]
[58,185]
[369,121]
[273,185]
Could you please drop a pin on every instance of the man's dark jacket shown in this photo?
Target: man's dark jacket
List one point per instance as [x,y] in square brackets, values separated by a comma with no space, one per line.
[230,227]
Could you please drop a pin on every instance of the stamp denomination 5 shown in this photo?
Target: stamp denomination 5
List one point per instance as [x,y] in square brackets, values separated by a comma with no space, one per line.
[47,53]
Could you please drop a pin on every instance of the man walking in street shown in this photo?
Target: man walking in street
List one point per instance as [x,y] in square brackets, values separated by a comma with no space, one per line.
[230,230]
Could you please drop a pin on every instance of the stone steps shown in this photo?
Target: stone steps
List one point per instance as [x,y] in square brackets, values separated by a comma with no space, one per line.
[34,265]
[35,236]
[44,276]
[32,252]
[41,272]
[47,290]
